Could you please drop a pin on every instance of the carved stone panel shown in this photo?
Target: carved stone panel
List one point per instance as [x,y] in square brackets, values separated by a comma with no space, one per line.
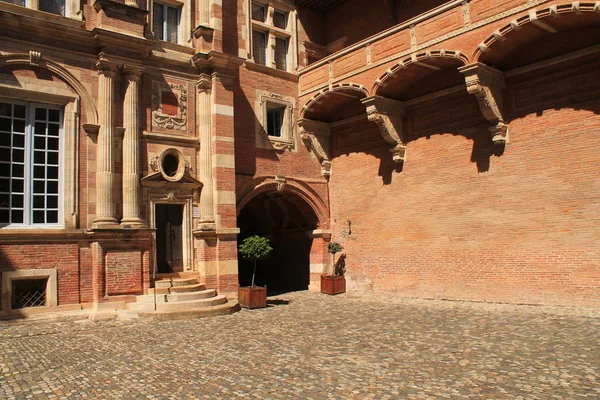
[169,106]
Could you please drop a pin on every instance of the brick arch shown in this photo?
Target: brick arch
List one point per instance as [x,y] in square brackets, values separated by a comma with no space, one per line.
[319,97]
[576,7]
[415,58]
[302,190]
[28,60]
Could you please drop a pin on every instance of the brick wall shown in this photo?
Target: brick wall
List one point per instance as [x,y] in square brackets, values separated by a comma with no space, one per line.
[463,222]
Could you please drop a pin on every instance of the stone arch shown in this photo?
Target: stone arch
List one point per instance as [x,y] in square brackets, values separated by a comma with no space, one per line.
[318,98]
[277,184]
[34,59]
[414,59]
[535,17]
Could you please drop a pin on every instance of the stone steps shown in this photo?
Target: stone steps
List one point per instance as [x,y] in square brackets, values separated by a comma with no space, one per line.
[176,296]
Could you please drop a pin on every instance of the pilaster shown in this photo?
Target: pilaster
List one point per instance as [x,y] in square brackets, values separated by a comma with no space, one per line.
[207,212]
[131,139]
[486,84]
[315,136]
[387,114]
[105,206]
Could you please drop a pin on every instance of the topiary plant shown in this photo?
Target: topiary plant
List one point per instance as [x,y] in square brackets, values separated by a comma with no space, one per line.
[255,248]
[334,247]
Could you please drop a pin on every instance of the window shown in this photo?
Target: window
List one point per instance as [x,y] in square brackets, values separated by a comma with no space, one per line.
[58,7]
[52,6]
[275,115]
[274,128]
[272,36]
[259,49]
[30,144]
[165,21]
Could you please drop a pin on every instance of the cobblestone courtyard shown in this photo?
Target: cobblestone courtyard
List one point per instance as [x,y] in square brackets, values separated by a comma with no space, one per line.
[311,346]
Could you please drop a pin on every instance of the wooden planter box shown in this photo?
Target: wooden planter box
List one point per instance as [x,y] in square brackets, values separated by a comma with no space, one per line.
[333,284]
[252,297]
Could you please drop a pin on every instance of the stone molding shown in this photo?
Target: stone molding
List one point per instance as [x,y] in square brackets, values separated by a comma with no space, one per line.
[315,136]
[486,84]
[387,114]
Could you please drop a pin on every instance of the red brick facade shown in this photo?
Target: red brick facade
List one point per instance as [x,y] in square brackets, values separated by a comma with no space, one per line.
[451,147]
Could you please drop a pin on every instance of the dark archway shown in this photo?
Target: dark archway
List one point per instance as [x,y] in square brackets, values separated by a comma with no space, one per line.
[287,221]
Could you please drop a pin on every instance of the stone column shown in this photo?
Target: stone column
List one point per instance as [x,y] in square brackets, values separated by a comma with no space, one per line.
[131,163]
[105,206]
[207,211]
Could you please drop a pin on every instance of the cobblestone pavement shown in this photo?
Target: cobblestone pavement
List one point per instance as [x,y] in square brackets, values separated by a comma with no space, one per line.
[313,346]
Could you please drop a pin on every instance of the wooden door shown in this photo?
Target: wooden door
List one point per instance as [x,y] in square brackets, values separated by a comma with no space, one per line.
[169,238]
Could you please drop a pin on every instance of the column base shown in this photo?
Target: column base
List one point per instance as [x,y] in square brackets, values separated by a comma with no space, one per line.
[105,223]
[132,223]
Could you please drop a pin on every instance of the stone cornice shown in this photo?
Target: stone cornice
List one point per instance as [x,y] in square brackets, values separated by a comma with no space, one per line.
[119,44]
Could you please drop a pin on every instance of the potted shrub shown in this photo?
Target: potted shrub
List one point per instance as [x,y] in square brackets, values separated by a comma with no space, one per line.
[254,248]
[336,282]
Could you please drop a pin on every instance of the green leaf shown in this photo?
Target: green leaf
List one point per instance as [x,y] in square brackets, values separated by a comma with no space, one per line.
[255,248]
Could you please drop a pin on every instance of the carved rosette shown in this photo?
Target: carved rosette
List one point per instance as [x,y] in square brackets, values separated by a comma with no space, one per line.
[387,114]
[486,84]
[169,106]
[315,135]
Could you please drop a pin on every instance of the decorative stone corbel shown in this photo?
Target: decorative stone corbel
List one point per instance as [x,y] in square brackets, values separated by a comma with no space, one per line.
[387,114]
[280,180]
[315,136]
[486,84]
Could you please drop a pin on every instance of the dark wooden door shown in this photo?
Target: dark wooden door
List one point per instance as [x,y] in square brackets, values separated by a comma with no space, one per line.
[169,240]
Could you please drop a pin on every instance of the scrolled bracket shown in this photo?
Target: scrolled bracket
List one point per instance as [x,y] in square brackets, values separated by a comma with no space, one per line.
[388,114]
[486,84]
[315,136]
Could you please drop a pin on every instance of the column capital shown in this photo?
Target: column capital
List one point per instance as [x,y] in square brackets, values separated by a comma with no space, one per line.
[132,73]
[106,66]
[204,83]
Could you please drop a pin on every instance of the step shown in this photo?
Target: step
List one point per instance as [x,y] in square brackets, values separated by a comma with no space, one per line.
[188,274]
[177,289]
[184,281]
[140,306]
[150,298]
[229,307]
[186,305]
[187,296]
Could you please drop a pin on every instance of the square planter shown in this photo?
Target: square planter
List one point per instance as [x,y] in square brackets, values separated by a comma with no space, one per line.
[252,297]
[333,284]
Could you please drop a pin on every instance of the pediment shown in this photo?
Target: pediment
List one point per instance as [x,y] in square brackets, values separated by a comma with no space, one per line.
[156,179]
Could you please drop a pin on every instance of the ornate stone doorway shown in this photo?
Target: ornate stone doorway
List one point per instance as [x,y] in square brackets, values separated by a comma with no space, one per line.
[169,237]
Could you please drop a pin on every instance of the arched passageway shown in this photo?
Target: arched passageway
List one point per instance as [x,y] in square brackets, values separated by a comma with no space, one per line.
[287,221]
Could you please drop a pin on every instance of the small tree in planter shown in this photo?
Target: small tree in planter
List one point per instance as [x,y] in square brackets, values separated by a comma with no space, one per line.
[254,248]
[333,284]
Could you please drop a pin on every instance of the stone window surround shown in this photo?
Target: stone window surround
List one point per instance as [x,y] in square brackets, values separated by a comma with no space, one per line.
[69,152]
[272,32]
[263,140]
[51,286]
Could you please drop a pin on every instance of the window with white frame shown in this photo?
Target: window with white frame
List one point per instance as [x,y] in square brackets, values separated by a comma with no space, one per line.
[165,22]
[272,36]
[30,164]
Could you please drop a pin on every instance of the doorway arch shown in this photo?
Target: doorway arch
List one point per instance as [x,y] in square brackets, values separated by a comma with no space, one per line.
[288,221]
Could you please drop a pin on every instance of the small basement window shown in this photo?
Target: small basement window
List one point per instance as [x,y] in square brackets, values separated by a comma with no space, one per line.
[28,293]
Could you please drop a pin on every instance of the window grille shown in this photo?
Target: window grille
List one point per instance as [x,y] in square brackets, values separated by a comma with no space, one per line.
[28,293]
[281,51]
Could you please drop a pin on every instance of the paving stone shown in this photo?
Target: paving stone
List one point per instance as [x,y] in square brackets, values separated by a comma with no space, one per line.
[312,346]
